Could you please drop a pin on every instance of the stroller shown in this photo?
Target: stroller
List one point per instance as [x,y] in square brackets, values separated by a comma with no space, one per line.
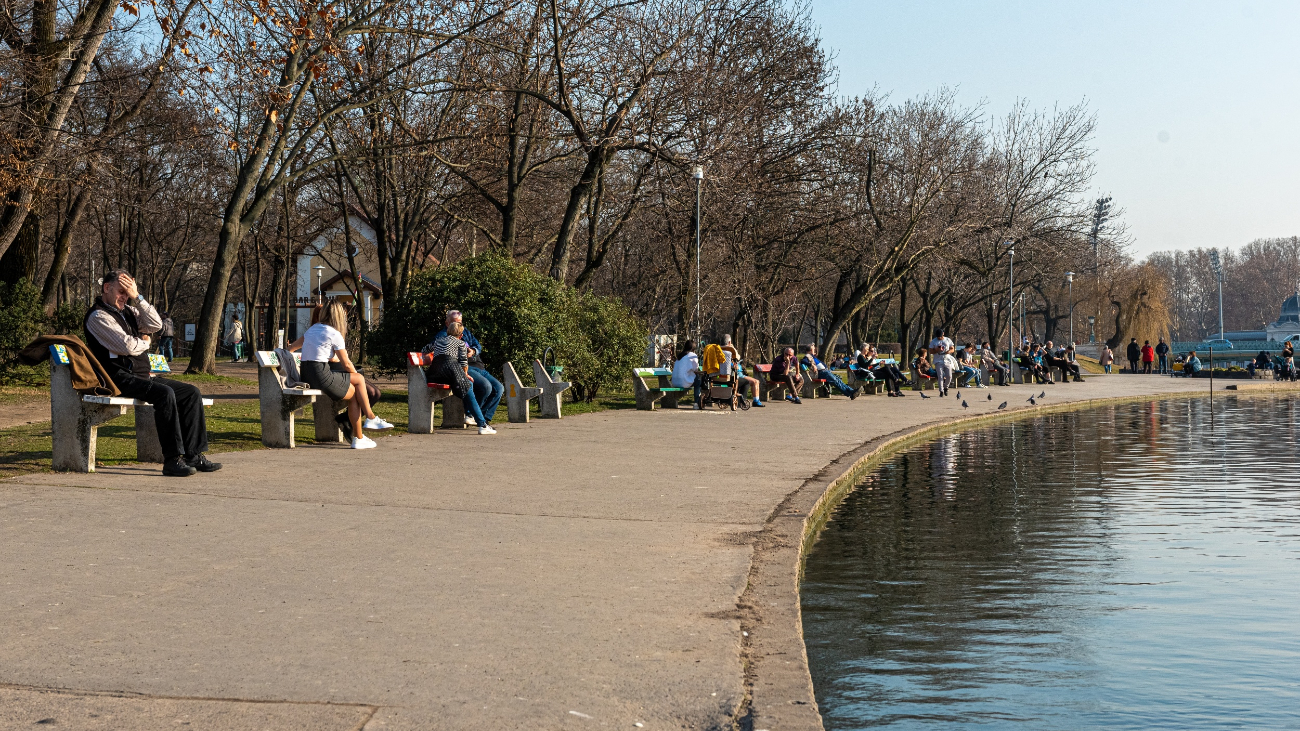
[719,389]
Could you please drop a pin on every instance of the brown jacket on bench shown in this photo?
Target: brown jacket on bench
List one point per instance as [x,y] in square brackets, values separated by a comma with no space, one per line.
[88,376]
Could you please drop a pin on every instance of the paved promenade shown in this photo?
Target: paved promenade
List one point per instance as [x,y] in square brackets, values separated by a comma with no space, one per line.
[576,574]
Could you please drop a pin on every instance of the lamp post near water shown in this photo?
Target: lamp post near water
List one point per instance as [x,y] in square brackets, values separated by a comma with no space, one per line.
[1217,266]
[697,172]
[1069,279]
[1011,299]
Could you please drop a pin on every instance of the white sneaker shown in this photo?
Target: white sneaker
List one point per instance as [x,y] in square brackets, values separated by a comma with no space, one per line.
[486,430]
[469,420]
[377,424]
[363,443]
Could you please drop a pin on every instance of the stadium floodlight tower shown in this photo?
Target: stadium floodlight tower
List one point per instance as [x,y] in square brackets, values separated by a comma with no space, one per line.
[1217,266]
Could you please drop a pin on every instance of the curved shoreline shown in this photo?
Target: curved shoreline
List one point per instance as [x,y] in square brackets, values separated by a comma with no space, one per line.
[778,684]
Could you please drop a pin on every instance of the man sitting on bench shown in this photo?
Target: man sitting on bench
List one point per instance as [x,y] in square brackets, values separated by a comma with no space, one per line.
[785,371]
[118,328]
[819,371]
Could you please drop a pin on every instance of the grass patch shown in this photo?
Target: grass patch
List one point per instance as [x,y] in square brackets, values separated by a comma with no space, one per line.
[233,426]
[20,394]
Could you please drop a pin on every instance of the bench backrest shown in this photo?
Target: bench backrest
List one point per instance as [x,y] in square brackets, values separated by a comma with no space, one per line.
[652,372]
[764,367]
[419,360]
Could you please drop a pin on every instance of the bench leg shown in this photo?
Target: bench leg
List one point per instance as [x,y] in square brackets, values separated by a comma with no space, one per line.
[670,400]
[74,424]
[322,413]
[147,446]
[646,398]
[278,413]
[419,413]
[453,413]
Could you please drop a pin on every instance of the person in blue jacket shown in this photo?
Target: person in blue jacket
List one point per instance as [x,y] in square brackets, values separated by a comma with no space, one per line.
[487,389]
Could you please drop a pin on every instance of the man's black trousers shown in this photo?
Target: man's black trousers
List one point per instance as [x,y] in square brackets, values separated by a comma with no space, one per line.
[177,410]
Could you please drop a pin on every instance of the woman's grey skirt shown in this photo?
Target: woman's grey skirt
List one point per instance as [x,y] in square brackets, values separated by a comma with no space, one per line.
[334,383]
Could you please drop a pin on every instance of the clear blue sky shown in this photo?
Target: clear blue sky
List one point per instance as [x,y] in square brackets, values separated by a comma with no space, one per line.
[1197,103]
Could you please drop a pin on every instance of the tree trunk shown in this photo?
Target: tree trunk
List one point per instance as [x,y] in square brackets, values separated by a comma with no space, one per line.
[21,260]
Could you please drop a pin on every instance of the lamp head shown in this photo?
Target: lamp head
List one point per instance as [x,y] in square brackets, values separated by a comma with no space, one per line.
[1069,276]
[697,172]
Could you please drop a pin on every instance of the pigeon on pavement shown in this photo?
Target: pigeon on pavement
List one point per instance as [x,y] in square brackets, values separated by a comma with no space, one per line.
[1042,395]
[1032,401]
[923,395]
[959,395]
[990,397]
[965,405]
[1002,405]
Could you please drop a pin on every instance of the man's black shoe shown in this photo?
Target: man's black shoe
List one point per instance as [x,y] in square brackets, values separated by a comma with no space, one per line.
[178,468]
[203,464]
[854,393]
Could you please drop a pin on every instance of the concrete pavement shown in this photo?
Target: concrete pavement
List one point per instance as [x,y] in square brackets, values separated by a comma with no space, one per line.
[585,573]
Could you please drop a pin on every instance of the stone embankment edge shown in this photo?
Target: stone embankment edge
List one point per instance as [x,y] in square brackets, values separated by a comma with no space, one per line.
[778,685]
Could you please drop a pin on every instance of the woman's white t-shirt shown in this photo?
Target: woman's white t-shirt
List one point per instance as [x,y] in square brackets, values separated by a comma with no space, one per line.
[684,370]
[320,342]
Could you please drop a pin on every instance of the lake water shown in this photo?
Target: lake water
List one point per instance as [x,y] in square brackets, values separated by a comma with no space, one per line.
[1132,567]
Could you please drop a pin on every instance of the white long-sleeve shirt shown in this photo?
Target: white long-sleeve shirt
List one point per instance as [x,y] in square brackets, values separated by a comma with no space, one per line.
[119,342]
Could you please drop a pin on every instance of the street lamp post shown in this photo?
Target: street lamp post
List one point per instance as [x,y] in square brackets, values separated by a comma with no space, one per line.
[320,271]
[1069,279]
[1092,329]
[1218,273]
[697,172]
[1011,298]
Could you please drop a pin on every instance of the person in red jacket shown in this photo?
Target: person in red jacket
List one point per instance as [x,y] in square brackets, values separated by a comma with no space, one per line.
[1148,356]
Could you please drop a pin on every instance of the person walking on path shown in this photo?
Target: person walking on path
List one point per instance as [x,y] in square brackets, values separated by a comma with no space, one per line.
[1134,355]
[168,334]
[1107,357]
[235,338]
[118,328]
[1162,356]
[1148,356]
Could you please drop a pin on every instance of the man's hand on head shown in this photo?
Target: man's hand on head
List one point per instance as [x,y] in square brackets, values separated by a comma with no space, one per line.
[127,283]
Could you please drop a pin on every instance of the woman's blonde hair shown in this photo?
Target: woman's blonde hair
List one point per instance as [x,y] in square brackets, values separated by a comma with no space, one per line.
[454,329]
[336,316]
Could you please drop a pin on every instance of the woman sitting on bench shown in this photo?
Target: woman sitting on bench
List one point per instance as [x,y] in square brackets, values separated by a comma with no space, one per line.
[323,341]
[880,370]
[451,366]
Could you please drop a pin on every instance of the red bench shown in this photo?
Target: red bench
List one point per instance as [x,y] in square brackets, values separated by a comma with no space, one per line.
[768,388]
[422,394]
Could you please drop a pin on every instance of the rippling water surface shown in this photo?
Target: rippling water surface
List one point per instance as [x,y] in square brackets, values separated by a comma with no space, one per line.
[1130,567]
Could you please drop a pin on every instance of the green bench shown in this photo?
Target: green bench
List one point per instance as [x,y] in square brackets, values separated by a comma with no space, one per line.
[653,385]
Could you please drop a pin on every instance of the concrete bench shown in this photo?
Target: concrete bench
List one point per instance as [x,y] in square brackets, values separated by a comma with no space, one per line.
[279,404]
[422,394]
[517,395]
[812,387]
[866,379]
[920,381]
[75,420]
[653,385]
[549,400]
[768,388]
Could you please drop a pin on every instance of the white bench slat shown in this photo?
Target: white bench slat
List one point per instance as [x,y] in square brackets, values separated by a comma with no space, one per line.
[301,392]
[122,401]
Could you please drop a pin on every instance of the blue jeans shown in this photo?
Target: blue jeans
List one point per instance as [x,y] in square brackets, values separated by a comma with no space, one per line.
[165,350]
[974,375]
[472,409]
[487,391]
[834,380]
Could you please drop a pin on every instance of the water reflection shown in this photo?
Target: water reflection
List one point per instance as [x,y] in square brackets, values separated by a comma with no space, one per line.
[1127,567]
